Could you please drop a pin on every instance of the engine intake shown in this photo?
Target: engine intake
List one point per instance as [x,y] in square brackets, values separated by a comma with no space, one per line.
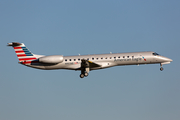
[52,59]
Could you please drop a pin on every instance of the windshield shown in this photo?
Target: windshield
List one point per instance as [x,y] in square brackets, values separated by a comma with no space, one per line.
[155,54]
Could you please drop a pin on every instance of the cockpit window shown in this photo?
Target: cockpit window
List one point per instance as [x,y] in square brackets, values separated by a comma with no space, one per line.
[155,54]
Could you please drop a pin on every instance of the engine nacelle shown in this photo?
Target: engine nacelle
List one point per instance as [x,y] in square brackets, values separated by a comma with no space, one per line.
[52,59]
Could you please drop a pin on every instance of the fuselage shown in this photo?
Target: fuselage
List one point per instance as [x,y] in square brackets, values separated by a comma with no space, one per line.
[105,60]
[85,63]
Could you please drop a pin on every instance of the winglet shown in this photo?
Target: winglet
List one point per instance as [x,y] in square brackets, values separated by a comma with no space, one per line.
[14,44]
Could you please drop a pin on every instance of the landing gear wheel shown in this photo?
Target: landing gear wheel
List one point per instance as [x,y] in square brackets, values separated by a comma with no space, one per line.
[161,69]
[86,74]
[81,75]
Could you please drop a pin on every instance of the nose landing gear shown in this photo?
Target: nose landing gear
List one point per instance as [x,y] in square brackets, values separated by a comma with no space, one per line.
[161,69]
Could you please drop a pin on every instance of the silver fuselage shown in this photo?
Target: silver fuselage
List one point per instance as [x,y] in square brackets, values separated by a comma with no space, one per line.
[105,60]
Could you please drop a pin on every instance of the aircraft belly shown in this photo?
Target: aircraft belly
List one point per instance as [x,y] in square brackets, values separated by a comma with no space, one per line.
[46,66]
[72,67]
[63,66]
[37,66]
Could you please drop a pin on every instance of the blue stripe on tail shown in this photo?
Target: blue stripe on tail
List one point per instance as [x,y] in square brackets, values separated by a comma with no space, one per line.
[26,51]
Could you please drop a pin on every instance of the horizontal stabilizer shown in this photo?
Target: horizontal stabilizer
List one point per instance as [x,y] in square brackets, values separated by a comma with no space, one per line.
[14,44]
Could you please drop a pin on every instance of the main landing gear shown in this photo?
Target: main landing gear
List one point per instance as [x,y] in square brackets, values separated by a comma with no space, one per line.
[161,69]
[84,72]
[84,68]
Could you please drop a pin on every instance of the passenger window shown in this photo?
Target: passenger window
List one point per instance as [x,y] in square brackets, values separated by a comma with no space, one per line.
[102,58]
[127,56]
[97,58]
[69,59]
[65,59]
[105,57]
[114,57]
[92,58]
[74,59]
[123,56]
[110,57]
[78,59]
[119,57]
[132,56]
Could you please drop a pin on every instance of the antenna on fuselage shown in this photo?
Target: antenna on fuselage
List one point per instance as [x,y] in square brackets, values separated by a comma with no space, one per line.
[110,52]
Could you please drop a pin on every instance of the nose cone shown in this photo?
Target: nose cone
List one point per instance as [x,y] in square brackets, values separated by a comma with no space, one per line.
[170,60]
[163,59]
[167,59]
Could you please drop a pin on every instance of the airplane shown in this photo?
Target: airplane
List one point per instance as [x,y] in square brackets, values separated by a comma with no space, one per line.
[85,63]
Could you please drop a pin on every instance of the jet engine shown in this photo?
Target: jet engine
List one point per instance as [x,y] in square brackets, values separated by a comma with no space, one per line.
[52,59]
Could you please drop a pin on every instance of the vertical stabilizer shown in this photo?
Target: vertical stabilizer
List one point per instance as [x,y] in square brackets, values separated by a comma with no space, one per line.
[22,52]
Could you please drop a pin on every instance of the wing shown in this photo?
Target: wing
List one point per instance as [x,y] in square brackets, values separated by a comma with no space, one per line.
[88,64]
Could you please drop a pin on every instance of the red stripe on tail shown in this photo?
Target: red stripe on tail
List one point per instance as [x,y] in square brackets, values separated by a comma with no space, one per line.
[23,59]
[19,51]
[17,47]
[21,55]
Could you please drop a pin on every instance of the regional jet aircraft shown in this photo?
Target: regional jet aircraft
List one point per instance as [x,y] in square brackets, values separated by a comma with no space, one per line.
[85,63]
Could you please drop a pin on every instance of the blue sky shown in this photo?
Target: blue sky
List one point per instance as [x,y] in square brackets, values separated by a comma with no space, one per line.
[90,27]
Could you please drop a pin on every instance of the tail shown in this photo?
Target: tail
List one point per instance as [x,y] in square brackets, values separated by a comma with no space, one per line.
[22,52]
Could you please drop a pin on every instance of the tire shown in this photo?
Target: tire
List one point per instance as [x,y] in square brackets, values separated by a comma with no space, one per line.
[86,74]
[161,69]
[81,75]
